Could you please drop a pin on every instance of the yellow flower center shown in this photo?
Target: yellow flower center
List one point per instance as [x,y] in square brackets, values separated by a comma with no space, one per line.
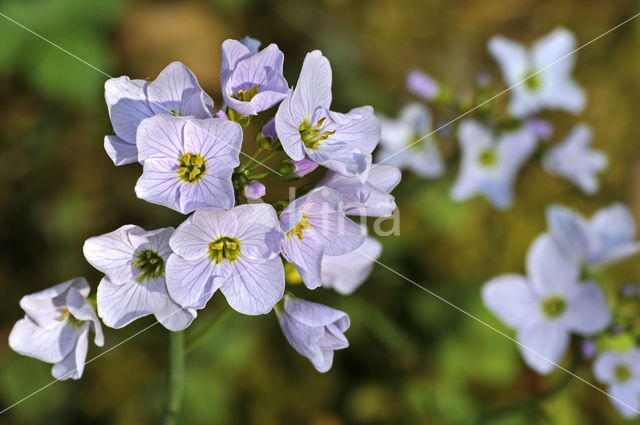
[150,265]
[554,306]
[298,228]
[532,81]
[224,248]
[312,135]
[192,167]
[623,373]
[66,315]
[488,157]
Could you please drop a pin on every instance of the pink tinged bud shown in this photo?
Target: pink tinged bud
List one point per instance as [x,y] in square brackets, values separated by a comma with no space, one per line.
[254,190]
[304,167]
[422,85]
[220,114]
[269,130]
[539,128]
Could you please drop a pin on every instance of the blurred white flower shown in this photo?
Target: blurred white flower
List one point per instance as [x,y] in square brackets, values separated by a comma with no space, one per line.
[423,158]
[490,165]
[547,305]
[575,161]
[621,373]
[548,64]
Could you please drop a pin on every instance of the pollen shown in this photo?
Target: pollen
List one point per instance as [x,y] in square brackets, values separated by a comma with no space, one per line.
[623,373]
[191,167]
[303,224]
[65,315]
[224,248]
[532,81]
[312,135]
[488,157]
[247,95]
[150,265]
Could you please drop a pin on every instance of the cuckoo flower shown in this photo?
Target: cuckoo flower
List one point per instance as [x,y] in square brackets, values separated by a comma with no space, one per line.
[368,193]
[574,160]
[490,165]
[236,251]
[56,327]
[133,261]
[548,305]
[345,273]
[254,190]
[313,330]
[547,69]
[400,145]
[305,125]
[175,91]
[188,162]
[609,236]
[251,82]
[315,225]
[621,372]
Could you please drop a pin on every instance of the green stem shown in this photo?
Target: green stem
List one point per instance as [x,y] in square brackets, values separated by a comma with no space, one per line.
[175,384]
[193,343]
[260,176]
[253,157]
[263,160]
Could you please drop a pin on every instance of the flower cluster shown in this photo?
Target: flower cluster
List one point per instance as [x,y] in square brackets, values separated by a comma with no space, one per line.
[561,294]
[494,149]
[233,241]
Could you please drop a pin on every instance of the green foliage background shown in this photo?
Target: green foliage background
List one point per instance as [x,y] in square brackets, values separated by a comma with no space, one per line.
[413,359]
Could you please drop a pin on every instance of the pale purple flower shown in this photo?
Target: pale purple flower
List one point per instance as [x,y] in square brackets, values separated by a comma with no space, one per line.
[621,372]
[539,127]
[236,251]
[345,273]
[221,114]
[313,330]
[304,167]
[367,194]
[175,91]
[306,126]
[400,145]
[609,236]
[547,305]
[134,261]
[55,328]
[574,160]
[315,225]
[251,82]
[422,85]
[254,190]
[549,64]
[269,130]
[588,347]
[188,163]
[490,164]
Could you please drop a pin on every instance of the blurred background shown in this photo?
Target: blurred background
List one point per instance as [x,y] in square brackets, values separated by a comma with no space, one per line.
[413,359]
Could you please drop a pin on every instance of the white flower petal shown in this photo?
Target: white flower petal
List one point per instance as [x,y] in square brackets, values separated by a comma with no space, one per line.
[550,271]
[511,300]
[119,305]
[545,342]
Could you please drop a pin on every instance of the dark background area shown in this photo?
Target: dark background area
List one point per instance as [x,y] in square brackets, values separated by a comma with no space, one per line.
[413,359]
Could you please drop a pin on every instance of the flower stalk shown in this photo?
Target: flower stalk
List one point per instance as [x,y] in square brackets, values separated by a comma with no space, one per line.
[175,381]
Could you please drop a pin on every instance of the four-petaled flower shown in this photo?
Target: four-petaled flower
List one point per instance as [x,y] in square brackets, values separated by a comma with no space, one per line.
[175,92]
[188,162]
[489,166]
[541,77]
[315,225]
[609,235]
[313,330]
[621,372]
[574,160]
[305,125]
[367,194]
[547,305]
[236,251]
[55,328]
[134,261]
[251,82]
[400,145]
